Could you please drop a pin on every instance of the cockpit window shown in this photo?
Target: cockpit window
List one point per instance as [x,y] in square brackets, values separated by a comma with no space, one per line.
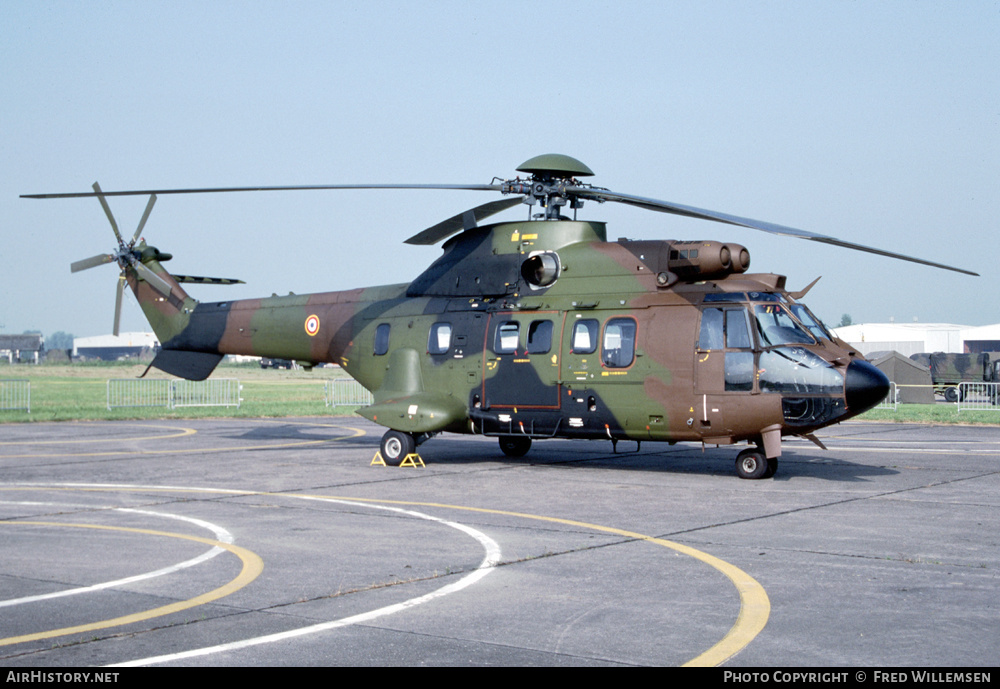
[797,370]
[738,329]
[776,326]
[725,296]
[729,328]
[813,324]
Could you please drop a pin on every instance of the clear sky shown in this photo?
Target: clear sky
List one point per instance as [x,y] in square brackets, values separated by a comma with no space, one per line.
[875,122]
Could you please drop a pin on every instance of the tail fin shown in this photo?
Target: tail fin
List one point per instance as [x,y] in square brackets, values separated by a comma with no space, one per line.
[165,304]
[169,312]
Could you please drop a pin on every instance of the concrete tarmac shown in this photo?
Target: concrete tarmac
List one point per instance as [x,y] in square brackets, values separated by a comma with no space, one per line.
[272,542]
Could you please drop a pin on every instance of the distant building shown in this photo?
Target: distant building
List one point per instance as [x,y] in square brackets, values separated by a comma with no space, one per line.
[20,348]
[111,348]
[913,338]
[983,339]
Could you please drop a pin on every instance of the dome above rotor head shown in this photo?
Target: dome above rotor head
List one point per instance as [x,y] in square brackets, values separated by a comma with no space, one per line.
[555,165]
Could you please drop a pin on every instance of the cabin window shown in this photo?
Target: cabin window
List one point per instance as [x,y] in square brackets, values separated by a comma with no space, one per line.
[585,336]
[382,339]
[507,335]
[618,350]
[439,339]
[539,337]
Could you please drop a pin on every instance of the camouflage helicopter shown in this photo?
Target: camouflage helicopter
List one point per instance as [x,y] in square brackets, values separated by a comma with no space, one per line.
[540,328]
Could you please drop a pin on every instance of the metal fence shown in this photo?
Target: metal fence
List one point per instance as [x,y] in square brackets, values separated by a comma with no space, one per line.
[218,392]
[891,400]
[140,392]
[346,392]
[978,396]
[15,395]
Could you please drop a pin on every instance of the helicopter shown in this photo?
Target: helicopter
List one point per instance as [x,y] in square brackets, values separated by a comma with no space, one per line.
[539,328]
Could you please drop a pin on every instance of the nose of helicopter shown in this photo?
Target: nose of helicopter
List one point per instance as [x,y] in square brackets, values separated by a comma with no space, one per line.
[864,387]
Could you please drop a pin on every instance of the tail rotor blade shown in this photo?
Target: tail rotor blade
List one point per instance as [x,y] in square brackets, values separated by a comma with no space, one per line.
[145,217]
[155,281]
[118,303]
[91,262]
[107,210]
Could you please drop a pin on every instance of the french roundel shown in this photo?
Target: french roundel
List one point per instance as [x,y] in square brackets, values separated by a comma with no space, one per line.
[312,325]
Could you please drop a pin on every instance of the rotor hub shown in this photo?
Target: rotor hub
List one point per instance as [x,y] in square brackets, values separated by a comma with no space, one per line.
[552,183]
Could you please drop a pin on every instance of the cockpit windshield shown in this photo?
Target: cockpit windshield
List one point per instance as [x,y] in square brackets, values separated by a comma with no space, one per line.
[813,324]
[776,326]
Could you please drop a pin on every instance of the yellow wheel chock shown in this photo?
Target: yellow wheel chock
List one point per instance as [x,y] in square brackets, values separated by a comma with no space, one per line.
[410,460]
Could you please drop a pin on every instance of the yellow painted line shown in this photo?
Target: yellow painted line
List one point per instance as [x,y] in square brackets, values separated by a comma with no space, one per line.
[901,450]
[356,433]
[755,606]
[181,432]
[253,565]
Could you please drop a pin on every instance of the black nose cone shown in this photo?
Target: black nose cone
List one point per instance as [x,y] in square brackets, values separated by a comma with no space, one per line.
[865,387]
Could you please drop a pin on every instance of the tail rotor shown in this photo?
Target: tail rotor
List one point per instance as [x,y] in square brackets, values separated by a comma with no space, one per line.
[126,255]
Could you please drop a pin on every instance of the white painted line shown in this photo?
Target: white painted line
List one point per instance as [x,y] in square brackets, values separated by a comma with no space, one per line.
[220,535]
[493,556]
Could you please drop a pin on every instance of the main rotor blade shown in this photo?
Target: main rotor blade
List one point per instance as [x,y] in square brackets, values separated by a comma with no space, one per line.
[118,303]
[107,209]
[773,228]
[155,281]
[219,190]
[462,221]
[91,262]
[145,217]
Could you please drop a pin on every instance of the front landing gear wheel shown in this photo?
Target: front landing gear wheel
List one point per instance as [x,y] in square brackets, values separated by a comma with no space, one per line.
[772,467]
[515,445]
[395,446]
[752,464]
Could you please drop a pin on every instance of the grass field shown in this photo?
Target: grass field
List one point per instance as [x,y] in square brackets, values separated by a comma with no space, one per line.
[67,392]
[79,391]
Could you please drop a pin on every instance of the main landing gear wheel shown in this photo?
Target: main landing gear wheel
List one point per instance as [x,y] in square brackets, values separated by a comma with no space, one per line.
[752,464]
[395,446]
[515,445]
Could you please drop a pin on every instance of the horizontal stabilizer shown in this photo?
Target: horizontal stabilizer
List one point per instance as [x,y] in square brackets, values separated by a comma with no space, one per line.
[196,279]
[189,365]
